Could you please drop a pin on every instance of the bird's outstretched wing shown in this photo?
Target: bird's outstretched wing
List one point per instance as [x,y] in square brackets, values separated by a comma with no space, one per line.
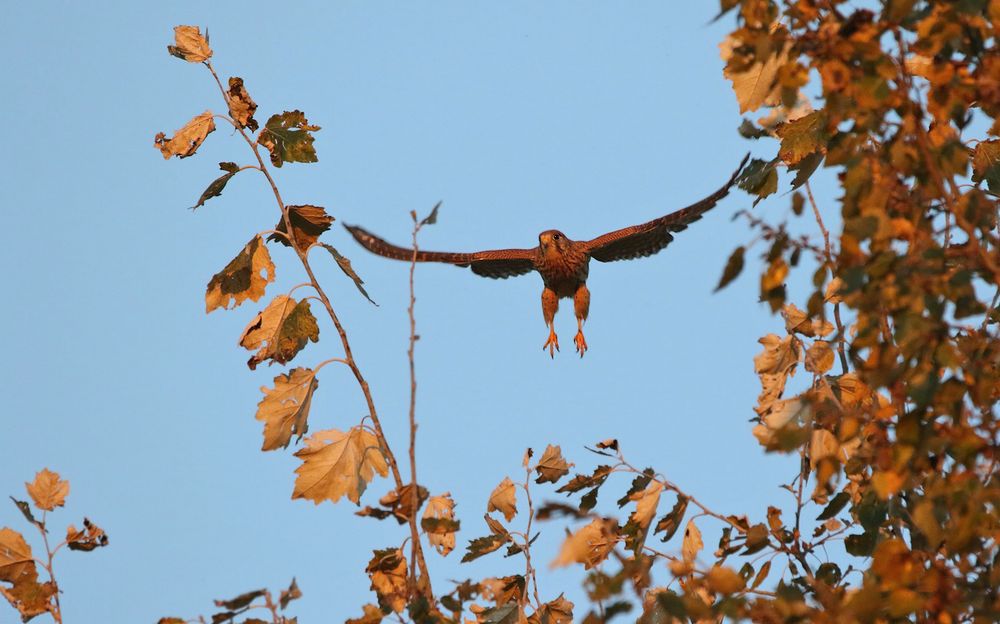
[639,241]
[498,263]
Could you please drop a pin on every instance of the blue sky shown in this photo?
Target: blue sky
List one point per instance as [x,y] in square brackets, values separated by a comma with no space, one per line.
[520,117]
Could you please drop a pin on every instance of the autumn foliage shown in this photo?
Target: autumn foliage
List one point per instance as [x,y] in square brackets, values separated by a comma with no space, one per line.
[892,513]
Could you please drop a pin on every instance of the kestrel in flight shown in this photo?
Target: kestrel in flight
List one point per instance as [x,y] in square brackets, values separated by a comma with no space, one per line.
[562,263]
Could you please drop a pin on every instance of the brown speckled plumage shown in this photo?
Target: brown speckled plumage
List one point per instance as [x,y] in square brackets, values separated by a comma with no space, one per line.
[563,263]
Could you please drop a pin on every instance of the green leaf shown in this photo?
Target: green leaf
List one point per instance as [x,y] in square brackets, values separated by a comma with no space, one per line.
[834,506]
[280,331]
[288,137]
[734,266]
[805,168]
[215,188]
[25,509]
[245,277]
[861,545]
[748,130]
[803,136]
[345,266]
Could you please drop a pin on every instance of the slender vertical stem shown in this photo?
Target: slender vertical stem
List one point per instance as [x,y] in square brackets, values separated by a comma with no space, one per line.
[842,337]
[529,570]
[57,613]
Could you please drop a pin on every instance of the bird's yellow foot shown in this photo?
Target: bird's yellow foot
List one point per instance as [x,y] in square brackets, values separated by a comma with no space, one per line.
[581,343]
[552,344]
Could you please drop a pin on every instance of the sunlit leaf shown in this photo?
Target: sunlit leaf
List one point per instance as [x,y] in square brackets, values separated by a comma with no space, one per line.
[336,464]
[245,277]
[439,523]
[802,137]
[48,490]
[188,139]
[504,499]
[308,224]
[754,86]
[15,556]
[284,410]
[551,466]
[190,45]
[986,164]
[86,539]
[590,545]
[280,331]
[288,137]
[241,106]
[287,595]
[692,543]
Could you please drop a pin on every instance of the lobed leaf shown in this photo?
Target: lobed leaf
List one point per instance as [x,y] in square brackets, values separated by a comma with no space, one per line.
[288,137]
[190,45]
[551,466]
[337,464]
[188,139]
[308,224]
[48,490]
[280,331]
[284,410]
[245,277]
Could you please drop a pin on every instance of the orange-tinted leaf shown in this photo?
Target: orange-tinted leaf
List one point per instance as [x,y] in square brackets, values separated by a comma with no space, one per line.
[190,45]
[245,277]
[241,106]
[503,499]
[441,535]
[308,223]
[15,556]
[188,139]
[756,85]
[590,546]
[692,544]
[280,331]
[48,490]
[91,537]
[336,464]
[551,466]
[370,615]
[387,571]
[287,595]
[819,357]
[284,410]
[30,597]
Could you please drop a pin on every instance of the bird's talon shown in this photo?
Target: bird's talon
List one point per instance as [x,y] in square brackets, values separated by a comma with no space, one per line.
[581,343]
[552,344]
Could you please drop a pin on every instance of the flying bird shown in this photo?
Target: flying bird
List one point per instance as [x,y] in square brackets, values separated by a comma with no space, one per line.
[563,263]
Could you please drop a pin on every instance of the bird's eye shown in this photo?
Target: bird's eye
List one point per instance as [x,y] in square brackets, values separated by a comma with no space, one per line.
[556,237]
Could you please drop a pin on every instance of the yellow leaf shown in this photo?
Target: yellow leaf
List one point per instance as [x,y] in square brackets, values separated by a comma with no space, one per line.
[280,331]
[830,293]
[441,507]
[245,277]
[188,139]
[823,444]
[387,570]
[48,490]
[336,464]
[241,105]
[284,409]
[887,483]
[590,546]
[15,557]
[692,544]
[724,580]
[819,357]
[503,499]
[646,503]
[371,615]
[797,321]
[780,356]
[190,45]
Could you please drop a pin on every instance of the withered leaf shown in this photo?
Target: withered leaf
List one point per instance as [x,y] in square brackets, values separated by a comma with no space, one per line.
[439,523]
[215,188]
[284,410]
[387,571]
[15,556]
[590,546]
[87,539]
[401,504]
[638,524]
[672,521]
[190,45]
[496,527]
[580,481]
[287,595]
[639,484]
[819,357]
[483,546]
[805,168]
[241,601]
[551,510]
[802,137]
[797,321]
[241,106]
[760,178]
[188,139]
[834,507]
[558,611]
[308,224]
[551,466]
[370,615]
[431,218]
[288,137]
[245,277]
[734,266]
[761,574]
[610,443]
[336,464]
[509,613]
[755,85]
[280,331]
[30,597]
[48,490]
[503,499]
[25,510]
[724,580]
[692,543]
[345,266]
[986,164]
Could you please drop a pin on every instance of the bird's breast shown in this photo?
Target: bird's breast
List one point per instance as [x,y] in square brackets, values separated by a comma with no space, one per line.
[563,270]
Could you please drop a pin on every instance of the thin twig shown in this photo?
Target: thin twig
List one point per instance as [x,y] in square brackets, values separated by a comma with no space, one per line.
[57,613]
[841,335]
[529,570]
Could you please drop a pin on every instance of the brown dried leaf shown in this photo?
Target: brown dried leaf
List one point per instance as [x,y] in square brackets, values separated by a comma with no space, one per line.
[780,355]
[15,557]
[551,466]
[558,611]
[308,224]
[819,357]
[30,597]
[503,499]
[284,410]
[190,44]
[387,571]
[245,277]
[188,139]
[757,85]
[91,537]
[692,544]
[48,490]
[724,580]
[441,508]
[371,615]
[280,331]
[797,321]
[287,595]
[590,546]
[336,464]
[241,106]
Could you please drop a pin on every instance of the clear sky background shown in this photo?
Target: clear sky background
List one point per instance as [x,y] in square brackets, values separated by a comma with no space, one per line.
[519,116]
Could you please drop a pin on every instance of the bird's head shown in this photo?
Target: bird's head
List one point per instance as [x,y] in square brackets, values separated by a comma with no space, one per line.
[553,240]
